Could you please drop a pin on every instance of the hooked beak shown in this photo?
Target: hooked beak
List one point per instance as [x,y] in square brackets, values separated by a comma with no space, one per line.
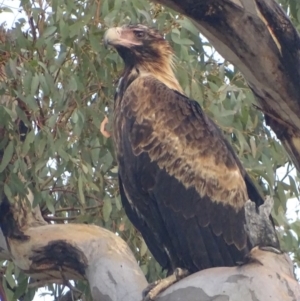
[112,36]
[120,37]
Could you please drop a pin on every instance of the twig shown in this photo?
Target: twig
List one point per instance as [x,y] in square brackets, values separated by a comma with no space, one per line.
[105,133]
[2,292]
[75,193]
[76,209]
[97,14]
[59,218]
[64,218]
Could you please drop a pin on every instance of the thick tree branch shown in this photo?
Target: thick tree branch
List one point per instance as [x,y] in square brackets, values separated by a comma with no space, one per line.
[258,38]
[56,253]
[267,276]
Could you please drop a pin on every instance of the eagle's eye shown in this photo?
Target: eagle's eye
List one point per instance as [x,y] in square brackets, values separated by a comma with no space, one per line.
[139,33]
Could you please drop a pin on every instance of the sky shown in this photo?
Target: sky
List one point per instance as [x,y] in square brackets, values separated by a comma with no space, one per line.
[10,17]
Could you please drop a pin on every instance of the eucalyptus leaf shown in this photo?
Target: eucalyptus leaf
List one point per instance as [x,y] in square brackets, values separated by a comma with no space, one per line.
[7,156]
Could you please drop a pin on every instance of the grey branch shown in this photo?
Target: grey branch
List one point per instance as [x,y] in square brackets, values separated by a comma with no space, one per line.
[259,226]
[268,276]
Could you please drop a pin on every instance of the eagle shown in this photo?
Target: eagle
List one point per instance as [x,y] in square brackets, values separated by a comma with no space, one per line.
[181,183]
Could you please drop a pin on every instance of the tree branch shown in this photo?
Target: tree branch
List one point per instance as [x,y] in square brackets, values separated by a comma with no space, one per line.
[73,251]
[61,252]
[259,39]
[266,276]
[258,225]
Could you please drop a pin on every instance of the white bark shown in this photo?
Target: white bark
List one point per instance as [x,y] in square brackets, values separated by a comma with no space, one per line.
[57,252]
[270,278]
[74,251]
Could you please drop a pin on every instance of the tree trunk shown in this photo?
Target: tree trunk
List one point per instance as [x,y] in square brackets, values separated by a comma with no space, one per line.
[259,39]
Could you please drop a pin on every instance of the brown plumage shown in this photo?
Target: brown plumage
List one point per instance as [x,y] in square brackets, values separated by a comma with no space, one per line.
[181,183]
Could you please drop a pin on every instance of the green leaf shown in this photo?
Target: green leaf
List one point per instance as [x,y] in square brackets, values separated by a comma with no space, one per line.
[75,116]
[5,9]
[31,101]
[253,146]
[34,84]
[107,208]
[21,288]
[13,67]
[44,84]
[7,191]
[72,86]
[27,82]
[28,141]
[187,24]
[51,122]
[80,190]
[269,169]
[49,204]
[144,268]
[9,275]
[8,153]
[281,195]
[40,145]
[196,92]
[8,292]
[181,41]
[50,30]
[294,187]
[118,202]
[143,248]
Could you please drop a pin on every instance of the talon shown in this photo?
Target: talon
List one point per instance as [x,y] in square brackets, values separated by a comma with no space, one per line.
[151,292]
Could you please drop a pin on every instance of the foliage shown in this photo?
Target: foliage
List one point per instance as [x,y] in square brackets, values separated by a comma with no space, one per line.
[57,85]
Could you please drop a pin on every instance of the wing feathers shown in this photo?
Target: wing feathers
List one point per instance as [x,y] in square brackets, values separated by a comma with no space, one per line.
[182,178]
[182,131]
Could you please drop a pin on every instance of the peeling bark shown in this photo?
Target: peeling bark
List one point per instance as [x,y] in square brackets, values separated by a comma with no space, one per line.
[259,39]
[267,276]
[55,253]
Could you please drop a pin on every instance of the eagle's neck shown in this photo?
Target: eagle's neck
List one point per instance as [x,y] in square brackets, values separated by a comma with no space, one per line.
[161,71]
[128,76]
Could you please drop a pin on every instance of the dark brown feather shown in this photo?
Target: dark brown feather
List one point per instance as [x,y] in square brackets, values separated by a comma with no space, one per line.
[183,131]
[181,178]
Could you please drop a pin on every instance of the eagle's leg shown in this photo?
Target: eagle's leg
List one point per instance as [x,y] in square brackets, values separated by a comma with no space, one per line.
[155,288]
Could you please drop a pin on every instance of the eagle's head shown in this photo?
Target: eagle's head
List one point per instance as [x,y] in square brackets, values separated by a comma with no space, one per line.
[138,44]
[145,50]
